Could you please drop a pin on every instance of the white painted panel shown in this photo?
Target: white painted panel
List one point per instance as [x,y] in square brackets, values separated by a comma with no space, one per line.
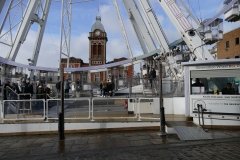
[217,122]
[179,105]
[145,107]
[46,127]
[156,106]
[168,105]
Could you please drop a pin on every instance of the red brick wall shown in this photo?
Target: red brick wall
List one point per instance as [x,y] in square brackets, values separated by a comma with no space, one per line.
[233,50]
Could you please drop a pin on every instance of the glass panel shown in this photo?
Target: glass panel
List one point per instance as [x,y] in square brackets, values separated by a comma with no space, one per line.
[215,82]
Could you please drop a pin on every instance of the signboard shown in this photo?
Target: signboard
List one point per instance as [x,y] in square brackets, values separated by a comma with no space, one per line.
[217,104]
[214,67]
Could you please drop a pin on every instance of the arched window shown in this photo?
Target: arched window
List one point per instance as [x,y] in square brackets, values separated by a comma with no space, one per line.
[99,50]
[94,50]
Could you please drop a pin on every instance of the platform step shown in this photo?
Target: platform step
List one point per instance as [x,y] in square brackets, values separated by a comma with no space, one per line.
[191,133]
[187,130]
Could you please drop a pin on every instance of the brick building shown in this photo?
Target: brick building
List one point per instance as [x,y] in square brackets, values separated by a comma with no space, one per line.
[97,56]
[229,46]
[121,72]
[74,63]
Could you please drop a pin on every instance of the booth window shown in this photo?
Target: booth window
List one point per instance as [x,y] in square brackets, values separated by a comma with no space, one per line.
[227,44]
[215,81]
[237,41]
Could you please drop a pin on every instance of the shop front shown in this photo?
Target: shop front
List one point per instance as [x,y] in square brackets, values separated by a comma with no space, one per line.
[212,89]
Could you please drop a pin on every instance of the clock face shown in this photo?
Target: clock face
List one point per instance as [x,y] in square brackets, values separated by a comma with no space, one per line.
[97,33]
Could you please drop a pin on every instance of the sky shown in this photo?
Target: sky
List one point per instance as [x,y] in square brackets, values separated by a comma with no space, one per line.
[83,17]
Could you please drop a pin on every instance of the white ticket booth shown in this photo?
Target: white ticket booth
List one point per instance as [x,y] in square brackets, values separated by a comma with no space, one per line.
[217,92]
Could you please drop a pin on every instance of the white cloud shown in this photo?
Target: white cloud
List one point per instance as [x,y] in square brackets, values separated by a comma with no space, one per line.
[80,47]
[116,49]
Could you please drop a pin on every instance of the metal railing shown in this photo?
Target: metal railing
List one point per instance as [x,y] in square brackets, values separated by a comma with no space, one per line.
[24,106]
[18,112]
[76,108]
[110,110]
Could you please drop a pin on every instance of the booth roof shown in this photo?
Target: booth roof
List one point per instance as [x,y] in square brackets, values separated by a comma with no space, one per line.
[209,62]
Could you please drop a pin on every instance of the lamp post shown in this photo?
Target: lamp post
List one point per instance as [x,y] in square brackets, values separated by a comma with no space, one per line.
[157,58]
[61,115]
[162,114]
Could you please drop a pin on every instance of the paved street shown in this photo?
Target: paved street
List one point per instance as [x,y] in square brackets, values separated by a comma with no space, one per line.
[120,145]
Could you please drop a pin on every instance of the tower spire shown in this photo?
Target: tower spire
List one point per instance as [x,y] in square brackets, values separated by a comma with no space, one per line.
[98,15]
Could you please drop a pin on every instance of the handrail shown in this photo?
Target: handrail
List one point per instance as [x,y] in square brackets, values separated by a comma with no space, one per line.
[19,94]
[48,95]
[11,90]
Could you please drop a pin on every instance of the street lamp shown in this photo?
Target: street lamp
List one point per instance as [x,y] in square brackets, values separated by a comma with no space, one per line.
[158,57]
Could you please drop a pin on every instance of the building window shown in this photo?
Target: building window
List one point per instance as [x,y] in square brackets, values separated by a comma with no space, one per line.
[237,41]
[227,44]
[99,49]
[96,77]
[94,50]
[236,56]
[84,77]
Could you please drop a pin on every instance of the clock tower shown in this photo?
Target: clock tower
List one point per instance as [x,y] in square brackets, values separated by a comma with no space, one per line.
[97,48]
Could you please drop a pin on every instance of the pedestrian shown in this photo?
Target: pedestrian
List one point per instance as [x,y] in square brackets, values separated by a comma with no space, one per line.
[20,81]
[152,77]
[40,96]
[13,92]
[30,86]
[104,89]
[73,88]
[101,84]
[5,90]
[58,87]
[66,88]
[228,90]
[145,81]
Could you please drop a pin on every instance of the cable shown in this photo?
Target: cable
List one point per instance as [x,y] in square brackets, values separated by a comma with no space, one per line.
[52,40]
[193,11]
[200,11]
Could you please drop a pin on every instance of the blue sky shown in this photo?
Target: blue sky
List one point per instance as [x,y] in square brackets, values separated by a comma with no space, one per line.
[84,15]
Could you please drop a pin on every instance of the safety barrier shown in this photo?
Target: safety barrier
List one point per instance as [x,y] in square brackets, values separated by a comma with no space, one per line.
[139,102]
[96,108]
[77,106]
[111,110]
[23,109]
